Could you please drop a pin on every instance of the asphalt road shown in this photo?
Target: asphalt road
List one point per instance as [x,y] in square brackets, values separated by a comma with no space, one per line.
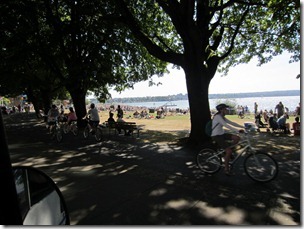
[123,181]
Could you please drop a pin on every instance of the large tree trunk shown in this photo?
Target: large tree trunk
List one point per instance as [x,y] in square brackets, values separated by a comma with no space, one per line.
[198,91]
[78,97]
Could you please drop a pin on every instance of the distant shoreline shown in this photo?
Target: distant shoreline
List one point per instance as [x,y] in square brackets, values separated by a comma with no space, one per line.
[211,96]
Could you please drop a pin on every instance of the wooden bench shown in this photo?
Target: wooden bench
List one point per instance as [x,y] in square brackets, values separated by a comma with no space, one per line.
[126,126]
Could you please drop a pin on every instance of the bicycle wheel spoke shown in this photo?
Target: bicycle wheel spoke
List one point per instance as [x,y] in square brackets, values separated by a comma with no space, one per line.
[98,135]
[208,161]
[261,167]
[86,132]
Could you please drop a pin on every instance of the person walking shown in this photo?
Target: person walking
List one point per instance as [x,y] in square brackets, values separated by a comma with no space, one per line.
[255,108]
[119,112]
[279,109]
[221,137]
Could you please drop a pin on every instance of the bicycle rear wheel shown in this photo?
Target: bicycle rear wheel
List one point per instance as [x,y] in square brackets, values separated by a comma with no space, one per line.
[261,167]
[98,134]
[208,161]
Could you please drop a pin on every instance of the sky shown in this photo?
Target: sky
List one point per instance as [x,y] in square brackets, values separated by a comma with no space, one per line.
[276,75]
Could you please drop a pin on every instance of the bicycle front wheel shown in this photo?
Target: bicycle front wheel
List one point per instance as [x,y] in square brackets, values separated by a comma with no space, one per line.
[208,161]
[59,135]
[261,167]
[98,134]
[66,128]
[86,132]
[74,129]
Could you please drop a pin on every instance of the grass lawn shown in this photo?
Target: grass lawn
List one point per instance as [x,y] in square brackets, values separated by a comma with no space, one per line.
[175,127]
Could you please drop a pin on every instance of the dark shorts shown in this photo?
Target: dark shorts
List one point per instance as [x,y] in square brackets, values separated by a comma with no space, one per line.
[52,123]
[223,141]
[94,123]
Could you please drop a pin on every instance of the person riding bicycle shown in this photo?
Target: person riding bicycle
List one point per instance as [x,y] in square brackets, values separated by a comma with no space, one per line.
[52,116]
[221,137]
[71,116]
[93,117]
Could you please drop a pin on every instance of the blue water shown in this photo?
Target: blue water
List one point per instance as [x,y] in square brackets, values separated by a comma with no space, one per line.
[268,103]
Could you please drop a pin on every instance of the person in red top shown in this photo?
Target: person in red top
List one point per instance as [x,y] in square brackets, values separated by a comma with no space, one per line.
[71,116]
[296,127]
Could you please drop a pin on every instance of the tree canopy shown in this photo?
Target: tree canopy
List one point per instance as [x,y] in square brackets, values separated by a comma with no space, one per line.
[91,45]
[78,43]
[205,36]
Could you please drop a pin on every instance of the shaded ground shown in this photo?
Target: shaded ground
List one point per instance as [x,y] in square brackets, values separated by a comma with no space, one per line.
[152,180]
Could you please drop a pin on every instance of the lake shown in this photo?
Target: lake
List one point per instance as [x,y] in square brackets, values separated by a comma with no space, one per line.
[268,103]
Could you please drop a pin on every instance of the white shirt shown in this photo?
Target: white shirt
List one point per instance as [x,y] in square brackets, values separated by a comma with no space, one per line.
[53,115]
[93,113]
[219,122]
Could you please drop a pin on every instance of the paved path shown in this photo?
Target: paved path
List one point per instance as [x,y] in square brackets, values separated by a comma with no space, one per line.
[123,181]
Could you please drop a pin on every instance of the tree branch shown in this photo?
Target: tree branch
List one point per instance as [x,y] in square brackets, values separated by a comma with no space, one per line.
[235,34]
[152,48]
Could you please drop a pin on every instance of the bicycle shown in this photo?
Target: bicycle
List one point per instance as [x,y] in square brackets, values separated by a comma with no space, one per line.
[258,166]
[72,127]
[97,131]
[56,131]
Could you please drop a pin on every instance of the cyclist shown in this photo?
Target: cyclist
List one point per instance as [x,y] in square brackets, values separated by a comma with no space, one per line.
[93,117]
[221,137]
[52,116]
[71,116]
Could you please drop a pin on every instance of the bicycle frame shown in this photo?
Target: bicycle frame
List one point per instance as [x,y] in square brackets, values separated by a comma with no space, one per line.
[258,165]
[243,149]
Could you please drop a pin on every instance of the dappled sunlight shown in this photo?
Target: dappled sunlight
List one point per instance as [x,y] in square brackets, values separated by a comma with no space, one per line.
[158,192]
[34,161]
[68,156]
[283,219]
[179,204]
[85,168]
[128,169]
[80,214]
[154,179]
[116,170]
[228,215]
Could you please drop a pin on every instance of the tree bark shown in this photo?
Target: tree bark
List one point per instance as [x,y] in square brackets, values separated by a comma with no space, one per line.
[78,97]
[198,82]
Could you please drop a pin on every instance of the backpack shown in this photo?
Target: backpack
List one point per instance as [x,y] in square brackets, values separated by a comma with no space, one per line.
[208,128]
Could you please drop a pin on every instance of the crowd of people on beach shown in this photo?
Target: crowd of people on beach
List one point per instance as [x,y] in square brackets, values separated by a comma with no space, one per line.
[277,119]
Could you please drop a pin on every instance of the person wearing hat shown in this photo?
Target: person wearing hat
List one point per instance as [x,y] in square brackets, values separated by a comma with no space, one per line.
[221,137]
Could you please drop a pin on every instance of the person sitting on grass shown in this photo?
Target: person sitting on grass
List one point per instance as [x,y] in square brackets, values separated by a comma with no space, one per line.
[283,124]
[296,127]
[258,120]
[111,119]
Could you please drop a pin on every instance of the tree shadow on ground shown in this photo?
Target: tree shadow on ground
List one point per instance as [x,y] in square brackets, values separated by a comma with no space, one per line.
[152,180]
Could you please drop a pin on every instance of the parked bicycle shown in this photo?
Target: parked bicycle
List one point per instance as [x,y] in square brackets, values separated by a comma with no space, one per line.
[56,131]
[72,127]
[259,166]
[96,131]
